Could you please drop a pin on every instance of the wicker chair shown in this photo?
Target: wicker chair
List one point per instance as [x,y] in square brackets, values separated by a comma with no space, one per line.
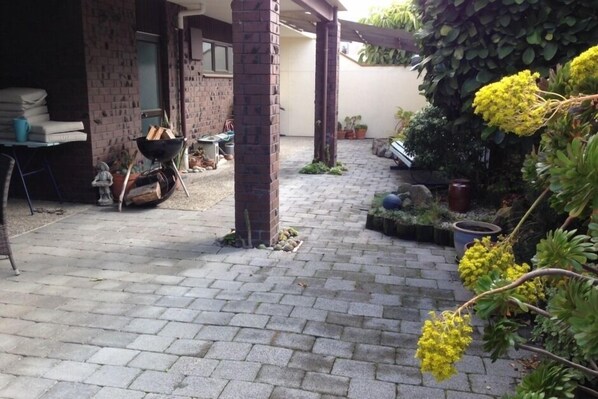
[6,165]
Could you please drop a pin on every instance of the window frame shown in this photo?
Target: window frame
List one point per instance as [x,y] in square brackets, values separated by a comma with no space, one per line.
[228,52]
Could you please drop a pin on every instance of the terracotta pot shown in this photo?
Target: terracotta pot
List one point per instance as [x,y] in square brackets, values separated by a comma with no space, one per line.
[459,195]
[349,134]
[118,181]
[340,134]
[360,133]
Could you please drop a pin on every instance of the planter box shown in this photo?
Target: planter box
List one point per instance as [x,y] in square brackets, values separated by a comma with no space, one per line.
[406,231]
[424,233]
[389,226]
[443,237]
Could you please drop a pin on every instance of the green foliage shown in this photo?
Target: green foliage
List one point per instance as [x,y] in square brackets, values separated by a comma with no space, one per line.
[469,43]
[399,15]
[556,337]
[500,335]
[403,118]
[548,381]
[429,136]
[351,121]
[320,168]
[565,249]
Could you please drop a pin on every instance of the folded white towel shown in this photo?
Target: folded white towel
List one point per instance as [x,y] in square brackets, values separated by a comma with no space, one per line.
[28,112]
[30,119]
[22,95]
[14,107]
[49,127]
[58,137]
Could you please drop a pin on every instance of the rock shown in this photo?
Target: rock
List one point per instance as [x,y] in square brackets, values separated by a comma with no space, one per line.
[403,196]
[388,154]
[277,247]
[404,188]
[379,146]
[261,246]
[288,247]
[421,196]
[502,217]
[407,203]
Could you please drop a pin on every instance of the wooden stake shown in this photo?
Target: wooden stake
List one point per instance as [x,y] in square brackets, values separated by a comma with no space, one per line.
[122,193]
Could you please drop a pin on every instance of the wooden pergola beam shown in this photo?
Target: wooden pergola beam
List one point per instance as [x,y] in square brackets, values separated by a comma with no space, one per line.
[319,8]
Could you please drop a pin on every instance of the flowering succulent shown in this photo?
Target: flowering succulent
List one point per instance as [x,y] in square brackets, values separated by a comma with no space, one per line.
[513,104]
[443,342]
[531,291]
[483,257]
[584,67]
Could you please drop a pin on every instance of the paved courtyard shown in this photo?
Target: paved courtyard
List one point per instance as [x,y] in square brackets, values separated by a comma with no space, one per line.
[145,303]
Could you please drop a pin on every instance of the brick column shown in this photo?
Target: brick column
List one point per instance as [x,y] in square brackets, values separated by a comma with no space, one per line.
[327,69]
[257,122]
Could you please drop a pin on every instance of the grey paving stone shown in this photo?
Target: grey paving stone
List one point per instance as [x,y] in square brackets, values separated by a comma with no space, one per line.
[217,333]
[236,370]
[199,387]
[365,309]
[325,346]
[113,356]
[71,390]
[364,388]
[338,284]
[398,374]
[503,367]
[229,351]
[153,361]
[71,371]
[6,379]
[174,302]
[325,383]
[244,390]
[113,376]
[311,362]
[496,385]
[331,304]
[216,318]
[255,336]
[471,365]
[118,393]
[361,335]
[189,347]
[288,393]
[418,392]
[458,382]
[344,319]
[12,326]
[211,305]
[157,382]
[151,343]
[374,353]
[309,313]
[177,329]
[294,341]
[249,320]
[320,329]
[194,366]
[464,395]
[146,311]
[283,376]
[145,326]
[177,314]
[298,300]
[32,366]
[354,369]
[116,339]
[267,297]
[381,324]
[26,387]
[270,355]
[7,359]
[286,324]
[274,309]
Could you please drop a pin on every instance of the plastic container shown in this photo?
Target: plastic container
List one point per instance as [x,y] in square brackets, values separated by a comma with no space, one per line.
[229,148]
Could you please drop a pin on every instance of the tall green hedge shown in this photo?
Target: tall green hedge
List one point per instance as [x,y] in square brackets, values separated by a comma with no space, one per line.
[469,43]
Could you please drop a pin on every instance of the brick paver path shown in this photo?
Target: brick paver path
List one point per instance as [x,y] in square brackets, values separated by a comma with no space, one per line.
[144,304]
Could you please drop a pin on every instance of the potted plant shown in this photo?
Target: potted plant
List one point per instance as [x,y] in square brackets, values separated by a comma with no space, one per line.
[121,159]
[467,230]
[350,122]
[360,130]
[340,133]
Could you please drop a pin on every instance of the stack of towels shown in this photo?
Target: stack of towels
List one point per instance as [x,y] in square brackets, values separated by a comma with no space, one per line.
[30,103]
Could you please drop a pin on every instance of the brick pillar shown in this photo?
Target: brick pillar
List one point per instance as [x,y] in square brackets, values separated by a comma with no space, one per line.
[257,121]
[327,67]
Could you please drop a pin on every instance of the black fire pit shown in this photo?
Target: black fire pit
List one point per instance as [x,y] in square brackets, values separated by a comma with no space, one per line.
[160,150]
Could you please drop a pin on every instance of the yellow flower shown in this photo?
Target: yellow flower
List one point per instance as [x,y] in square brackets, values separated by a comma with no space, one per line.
[531,291]
[513,104]
[483,257]
[584,67]
[443,342]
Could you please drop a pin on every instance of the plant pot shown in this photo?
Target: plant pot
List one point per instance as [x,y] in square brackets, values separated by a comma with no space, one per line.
[468,230]
[118,181]
[340,134]
[424,233]
[360,133]
[459,195]
[389,226]
[405,231]
[349,134]
[369,222]
[442,237]
[377,222]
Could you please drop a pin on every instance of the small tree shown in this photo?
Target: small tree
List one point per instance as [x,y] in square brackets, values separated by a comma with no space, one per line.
[400,15]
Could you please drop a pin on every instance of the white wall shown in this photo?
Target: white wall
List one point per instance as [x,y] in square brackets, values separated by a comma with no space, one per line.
[374,92]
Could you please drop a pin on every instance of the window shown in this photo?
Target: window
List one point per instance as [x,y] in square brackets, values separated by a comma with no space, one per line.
[217,57]
[148,57]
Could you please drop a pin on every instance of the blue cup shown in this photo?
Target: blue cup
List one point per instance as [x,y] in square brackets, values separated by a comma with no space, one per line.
[21,127]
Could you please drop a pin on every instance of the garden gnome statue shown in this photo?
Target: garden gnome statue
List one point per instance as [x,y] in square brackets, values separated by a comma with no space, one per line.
[103,181]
